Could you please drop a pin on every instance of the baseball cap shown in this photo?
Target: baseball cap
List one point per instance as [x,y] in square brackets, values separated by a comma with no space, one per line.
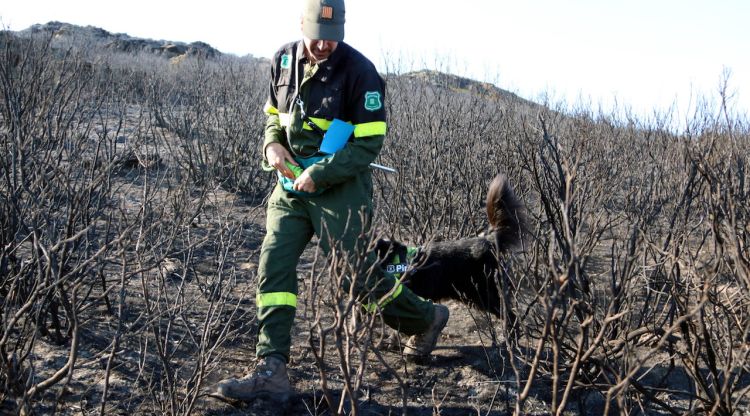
[323,20]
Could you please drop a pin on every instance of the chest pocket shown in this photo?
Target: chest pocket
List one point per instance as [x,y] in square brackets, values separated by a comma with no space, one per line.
[331,101]
[285,88]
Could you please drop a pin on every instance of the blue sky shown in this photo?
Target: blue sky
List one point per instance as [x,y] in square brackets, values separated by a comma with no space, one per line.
[648,55]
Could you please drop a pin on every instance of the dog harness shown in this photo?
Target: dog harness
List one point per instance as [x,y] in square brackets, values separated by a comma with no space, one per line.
[401,261]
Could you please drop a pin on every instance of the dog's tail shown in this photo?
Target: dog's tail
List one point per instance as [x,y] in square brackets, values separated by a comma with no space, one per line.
[505,213]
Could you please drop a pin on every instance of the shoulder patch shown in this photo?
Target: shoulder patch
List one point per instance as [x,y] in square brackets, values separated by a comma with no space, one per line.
[373,101]
[286,61]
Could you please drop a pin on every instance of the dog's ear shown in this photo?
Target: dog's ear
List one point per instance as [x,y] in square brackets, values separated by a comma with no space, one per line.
[381,247]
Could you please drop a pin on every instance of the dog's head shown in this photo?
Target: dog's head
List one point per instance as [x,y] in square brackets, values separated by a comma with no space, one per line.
[387,249]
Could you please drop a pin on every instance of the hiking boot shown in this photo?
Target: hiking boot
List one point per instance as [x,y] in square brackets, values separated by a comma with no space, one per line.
[268,381]
[420,346]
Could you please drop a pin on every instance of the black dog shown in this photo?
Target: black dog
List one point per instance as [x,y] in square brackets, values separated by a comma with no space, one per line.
[465,270]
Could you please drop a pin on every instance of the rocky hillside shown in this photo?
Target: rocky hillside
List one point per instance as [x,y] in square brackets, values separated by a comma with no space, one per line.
[87,35]
[458,83]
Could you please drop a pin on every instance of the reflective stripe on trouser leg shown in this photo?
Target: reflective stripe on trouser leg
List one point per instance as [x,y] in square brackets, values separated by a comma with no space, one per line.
[385,300]
[265,300]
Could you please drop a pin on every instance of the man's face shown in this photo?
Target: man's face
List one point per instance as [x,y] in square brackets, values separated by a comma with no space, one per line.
[319,50]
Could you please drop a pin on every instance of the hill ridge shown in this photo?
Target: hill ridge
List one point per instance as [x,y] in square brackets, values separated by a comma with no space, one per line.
[176,51]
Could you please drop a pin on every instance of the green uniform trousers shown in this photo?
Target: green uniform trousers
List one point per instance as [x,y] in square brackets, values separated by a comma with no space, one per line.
[335,215]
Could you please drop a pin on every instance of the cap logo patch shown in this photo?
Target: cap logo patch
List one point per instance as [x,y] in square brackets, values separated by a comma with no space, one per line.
[373,101]
[326,13]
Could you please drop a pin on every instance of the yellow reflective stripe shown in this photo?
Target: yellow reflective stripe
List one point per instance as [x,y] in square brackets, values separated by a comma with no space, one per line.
[321,122]
[265,300]
[385,300]
[269,109]
[396,260]
[374,128]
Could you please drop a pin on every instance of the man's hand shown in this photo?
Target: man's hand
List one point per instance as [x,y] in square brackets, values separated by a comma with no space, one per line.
[304,183]
[276,155]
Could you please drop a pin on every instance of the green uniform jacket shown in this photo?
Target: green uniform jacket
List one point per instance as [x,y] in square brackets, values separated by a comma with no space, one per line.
[345,86]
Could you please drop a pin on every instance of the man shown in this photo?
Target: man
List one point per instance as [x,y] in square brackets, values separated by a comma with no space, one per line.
[313,82]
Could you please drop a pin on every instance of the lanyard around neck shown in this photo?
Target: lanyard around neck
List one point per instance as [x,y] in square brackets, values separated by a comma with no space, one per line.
[297,99]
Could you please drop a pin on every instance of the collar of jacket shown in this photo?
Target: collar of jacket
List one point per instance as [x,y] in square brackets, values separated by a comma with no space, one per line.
[325,70]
